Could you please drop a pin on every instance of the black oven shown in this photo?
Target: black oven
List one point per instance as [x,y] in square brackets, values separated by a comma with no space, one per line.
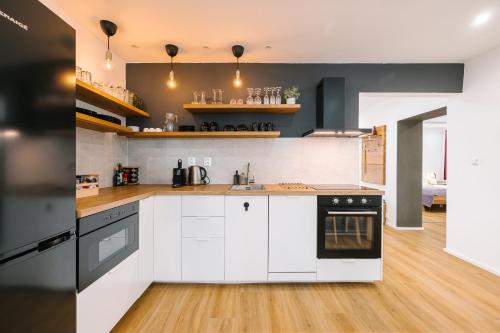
[104,240]
[349,226]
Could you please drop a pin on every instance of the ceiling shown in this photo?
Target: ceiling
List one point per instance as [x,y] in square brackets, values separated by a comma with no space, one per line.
[298,31]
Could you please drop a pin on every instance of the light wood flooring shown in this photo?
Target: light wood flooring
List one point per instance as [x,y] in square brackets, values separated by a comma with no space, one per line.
[434,215]
[424,290]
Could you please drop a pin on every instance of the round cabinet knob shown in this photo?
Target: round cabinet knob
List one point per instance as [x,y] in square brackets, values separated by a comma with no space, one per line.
[246,205]
[336,201]
[364,201]
[350,201]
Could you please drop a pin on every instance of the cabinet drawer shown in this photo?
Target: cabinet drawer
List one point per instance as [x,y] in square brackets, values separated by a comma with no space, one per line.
[203,205]
[203,259]
[203,226]
[101,305]
[349,270]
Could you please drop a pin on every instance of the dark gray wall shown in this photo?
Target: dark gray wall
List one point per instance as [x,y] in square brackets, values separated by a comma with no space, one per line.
[409,168]
[148,80]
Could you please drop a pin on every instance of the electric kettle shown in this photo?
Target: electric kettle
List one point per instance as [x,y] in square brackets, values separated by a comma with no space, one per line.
[198,175]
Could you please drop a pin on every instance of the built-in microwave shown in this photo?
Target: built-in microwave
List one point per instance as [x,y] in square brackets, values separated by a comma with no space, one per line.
[349,227]
[104,240]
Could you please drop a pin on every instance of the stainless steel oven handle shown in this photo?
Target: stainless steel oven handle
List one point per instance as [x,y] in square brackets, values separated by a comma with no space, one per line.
[352,213]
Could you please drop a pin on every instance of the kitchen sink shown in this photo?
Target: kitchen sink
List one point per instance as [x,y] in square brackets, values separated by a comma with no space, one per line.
[251,187]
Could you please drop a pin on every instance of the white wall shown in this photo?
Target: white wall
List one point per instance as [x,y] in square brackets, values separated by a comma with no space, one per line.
[96,152]
[473,228]
[433,142]
[307,160]
[388,109]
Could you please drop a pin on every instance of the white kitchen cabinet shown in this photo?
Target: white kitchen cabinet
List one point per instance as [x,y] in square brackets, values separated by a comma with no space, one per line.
[203,226]
[246,238]
[101,305]
[203,205]
[146,243]
[203,259]
[292,234]
[167,238]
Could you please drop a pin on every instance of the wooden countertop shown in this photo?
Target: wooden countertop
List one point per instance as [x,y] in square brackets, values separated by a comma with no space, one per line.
[111,197]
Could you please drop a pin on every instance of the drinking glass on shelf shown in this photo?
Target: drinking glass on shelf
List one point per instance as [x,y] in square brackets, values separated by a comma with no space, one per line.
[87,77]
[250,94]
[119,93]
[257,99]
[232,101]
[219,101]
[278,96]
[214,100]
[78,72]
[195,97]
[202,98]
[266,97]
[272,98]
[239,101]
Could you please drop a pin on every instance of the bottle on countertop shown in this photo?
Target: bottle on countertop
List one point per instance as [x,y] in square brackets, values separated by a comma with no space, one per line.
[236,178]
[119,175]
[115,177]
[243,179]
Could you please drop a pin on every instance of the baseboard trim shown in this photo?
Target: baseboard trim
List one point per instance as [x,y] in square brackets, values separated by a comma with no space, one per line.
[472,261]
[405,228]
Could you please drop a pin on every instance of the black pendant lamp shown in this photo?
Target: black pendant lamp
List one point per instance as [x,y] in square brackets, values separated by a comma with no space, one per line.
[109,29]
[237,52]
[172,52]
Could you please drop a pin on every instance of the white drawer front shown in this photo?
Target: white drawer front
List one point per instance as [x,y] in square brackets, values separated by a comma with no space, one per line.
[349,270]
[203,226]
[203,259]
[292,277]
[203,205]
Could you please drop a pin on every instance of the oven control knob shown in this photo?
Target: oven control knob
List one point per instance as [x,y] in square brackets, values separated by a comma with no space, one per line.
[364,201]
[350,201]
[335,201]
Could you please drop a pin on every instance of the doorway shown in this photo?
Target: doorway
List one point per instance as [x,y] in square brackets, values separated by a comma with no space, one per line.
[410,174]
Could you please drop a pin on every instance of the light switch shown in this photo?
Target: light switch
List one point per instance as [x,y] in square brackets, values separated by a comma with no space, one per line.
[475,161]
[207,161]
[191,161]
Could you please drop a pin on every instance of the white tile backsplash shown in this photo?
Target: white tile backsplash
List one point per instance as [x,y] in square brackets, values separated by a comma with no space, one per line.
[307,160]
[98,153]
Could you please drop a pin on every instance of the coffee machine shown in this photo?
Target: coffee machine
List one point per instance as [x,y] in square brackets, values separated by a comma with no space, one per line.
[179,178]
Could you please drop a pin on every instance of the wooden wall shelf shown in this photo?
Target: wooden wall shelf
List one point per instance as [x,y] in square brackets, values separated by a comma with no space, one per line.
[201,135]
[96,124]
[99,98]
[236,108]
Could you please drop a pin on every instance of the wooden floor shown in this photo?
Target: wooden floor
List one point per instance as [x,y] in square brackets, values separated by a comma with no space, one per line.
[424,290]
[434,215]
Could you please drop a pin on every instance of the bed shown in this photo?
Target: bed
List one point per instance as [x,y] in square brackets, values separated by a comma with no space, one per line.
[433,195]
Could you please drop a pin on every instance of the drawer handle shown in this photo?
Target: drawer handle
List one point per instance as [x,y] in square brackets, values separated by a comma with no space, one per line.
[348,261]
[202,239]
[246,205]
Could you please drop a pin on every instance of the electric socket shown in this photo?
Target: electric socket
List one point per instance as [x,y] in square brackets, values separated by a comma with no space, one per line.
[191,161]
[207,161]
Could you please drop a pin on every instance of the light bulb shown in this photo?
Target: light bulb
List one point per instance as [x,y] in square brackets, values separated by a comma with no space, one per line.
[171,80]
[237,81]
[108,61]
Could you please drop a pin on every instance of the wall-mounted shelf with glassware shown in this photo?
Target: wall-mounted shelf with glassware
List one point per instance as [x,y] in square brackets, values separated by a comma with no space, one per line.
[96,124]
[202,135]
[92,95]
[236,108]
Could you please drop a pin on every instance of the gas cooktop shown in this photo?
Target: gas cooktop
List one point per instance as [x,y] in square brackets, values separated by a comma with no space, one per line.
[330,187]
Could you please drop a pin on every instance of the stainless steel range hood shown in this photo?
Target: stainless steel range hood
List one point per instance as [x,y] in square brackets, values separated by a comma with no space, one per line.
[331,117]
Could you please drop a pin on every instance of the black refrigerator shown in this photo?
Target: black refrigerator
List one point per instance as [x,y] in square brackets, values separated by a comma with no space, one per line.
[37,170]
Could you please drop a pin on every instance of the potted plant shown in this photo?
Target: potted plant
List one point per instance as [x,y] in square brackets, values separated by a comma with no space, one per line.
[291,94]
